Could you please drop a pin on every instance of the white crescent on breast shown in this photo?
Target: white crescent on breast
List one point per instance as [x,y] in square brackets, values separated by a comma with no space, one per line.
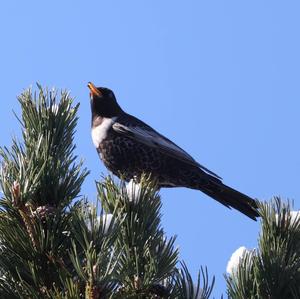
[99,133]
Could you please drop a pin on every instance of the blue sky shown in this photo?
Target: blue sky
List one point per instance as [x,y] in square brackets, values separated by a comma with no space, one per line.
[219,78]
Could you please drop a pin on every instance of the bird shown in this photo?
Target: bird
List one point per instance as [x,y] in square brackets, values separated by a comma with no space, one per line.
[129,148]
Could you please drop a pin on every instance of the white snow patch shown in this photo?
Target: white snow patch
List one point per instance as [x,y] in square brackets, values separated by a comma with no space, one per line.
[54,109]
[133,190]
[106,218]
[235,259]
[294,216]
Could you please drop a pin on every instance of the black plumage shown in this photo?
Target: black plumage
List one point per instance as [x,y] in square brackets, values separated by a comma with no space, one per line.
[129,147]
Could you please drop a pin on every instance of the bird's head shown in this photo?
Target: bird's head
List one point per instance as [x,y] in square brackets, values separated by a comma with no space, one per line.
[103,102]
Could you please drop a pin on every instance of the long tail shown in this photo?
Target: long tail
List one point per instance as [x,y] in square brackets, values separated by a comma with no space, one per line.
[230,198]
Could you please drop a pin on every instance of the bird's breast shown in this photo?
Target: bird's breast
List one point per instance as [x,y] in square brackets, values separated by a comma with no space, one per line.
[99,132]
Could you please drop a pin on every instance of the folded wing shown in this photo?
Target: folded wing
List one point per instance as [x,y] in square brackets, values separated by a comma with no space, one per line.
[139,131]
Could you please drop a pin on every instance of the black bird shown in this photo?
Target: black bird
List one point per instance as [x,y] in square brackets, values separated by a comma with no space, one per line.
[129,147]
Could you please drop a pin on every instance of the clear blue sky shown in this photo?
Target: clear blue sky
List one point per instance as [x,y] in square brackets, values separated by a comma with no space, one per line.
[220,78]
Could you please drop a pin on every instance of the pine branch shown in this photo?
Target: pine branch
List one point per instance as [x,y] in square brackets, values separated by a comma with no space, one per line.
[51,247]
[273,270]
[39,179]
[184,286]
[147,265]
[92,252]
[44,166]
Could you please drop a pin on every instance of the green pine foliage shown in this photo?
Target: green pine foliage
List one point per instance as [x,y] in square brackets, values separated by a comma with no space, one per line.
[39,180]
[273,269]
[55,244]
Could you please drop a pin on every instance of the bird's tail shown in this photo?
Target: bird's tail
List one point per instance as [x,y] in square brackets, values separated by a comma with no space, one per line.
[230,198]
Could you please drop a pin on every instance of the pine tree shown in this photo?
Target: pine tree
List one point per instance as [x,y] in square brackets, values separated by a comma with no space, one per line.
[56,244]
[272,271]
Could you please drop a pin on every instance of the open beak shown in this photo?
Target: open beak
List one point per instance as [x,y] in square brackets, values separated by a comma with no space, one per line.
[94,90]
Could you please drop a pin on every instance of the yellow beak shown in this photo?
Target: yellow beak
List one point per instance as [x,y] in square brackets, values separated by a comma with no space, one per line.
[94,90]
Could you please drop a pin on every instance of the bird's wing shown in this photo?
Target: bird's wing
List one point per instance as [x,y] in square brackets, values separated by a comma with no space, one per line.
[133,128]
